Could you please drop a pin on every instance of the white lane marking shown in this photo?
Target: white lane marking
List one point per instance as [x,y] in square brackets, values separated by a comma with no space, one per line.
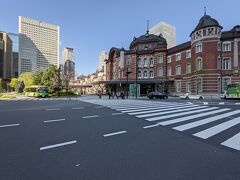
[193,116]
[9,125]
[154,108]
[205,121]
[217,129]
[205,103]
[175,115]
[189,103]
[116,114]
[169,112]
[221,103]
[115,133]
[54,120]
[57,145]
[233,142]
[151,126]
[77,108]
[161,109]
[85,117]
[237,103]
[56,109]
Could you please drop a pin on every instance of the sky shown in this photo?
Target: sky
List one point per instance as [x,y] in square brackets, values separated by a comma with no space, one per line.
[91,26]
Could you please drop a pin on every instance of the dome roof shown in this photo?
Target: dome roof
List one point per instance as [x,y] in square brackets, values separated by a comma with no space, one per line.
[206,21]
[148,38]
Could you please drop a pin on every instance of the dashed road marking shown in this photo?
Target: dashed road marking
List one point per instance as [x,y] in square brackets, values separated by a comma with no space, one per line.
[86,117]
[9,125]
[54,120]
[57,145]
[115,133]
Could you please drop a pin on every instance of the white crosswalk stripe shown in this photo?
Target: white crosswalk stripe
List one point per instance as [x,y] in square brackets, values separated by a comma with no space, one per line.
[168,113]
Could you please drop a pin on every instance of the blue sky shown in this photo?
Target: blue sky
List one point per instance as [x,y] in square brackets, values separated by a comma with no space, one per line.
[91,26]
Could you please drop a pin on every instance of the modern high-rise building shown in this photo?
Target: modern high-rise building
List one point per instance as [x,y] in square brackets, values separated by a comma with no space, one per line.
[15,43]
[168,32]
[68,61]
[5,56]
[38,45]
[103,55]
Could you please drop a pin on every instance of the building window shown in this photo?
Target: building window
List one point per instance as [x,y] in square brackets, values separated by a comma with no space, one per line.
[178,70]
[188,68]
[198,47]
[226,63]
[129,61]
[145,62]
[160,72]
[198,85]
[219,46]
[225,82]
[226,46]
[145,74]
[210,31]
[188,86]
[151,63]
[169,71]
[178,57]
[139,62]
[139,74]
[151,74]
[188,54]
[160,58]
[199,64]
[178,86]
[169,59]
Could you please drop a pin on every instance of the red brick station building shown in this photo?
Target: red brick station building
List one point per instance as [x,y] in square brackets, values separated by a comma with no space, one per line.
[203,65]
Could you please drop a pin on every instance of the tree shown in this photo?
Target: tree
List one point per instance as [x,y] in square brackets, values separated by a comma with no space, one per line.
[49,77]
[1,85]
[37,78]
[26,78]
[13,83]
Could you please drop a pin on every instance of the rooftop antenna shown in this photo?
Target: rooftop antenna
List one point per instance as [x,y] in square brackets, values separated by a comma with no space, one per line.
[147,26]
[205,11]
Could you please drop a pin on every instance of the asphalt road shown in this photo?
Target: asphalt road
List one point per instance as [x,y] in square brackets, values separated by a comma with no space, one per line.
[72,140]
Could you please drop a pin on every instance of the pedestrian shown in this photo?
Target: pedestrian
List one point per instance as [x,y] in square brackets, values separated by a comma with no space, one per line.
[99,95]
[118,94]
[113,94]
[109,95]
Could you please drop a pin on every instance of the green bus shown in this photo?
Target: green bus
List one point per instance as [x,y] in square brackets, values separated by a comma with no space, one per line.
[37,91]
[233,90]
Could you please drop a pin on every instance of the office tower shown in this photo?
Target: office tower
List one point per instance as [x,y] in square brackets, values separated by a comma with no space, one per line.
[103,55]
[38,45]
[168,32]
[68,61]
[5,56]
[15,43]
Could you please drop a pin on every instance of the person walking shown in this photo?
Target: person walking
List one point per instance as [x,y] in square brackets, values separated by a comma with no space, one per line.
[109,94]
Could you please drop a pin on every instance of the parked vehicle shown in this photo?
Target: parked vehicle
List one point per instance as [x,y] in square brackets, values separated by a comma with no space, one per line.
[233,91]
[157,95]
[223,95]
[191,96]
[37,91]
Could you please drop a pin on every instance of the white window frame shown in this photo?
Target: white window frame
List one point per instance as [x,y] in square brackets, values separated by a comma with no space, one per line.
[145,74]
[160,58]
[187,54]
[199,66]
[151,61]
[198,50]
[160,72]
[226,63]
[139,61]
[188,86]
[188,68]
[224,46]
[178,86]
[151,71]
[169,59]
[178,70]
[178,56]
[129,60]
[140,73]
[145,62]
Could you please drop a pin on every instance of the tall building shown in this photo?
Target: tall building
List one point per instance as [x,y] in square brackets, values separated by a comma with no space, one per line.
[68,61]
[5,56]
[15,43]
[38,45]
[168,32]
[103,55]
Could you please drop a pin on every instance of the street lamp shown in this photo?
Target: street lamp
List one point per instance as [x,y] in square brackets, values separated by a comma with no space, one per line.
[127,73]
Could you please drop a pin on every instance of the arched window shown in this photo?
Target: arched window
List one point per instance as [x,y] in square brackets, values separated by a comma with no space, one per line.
[151,74]
[139,74]
[145,75]
[139,61]
[145,62]
[151,63]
